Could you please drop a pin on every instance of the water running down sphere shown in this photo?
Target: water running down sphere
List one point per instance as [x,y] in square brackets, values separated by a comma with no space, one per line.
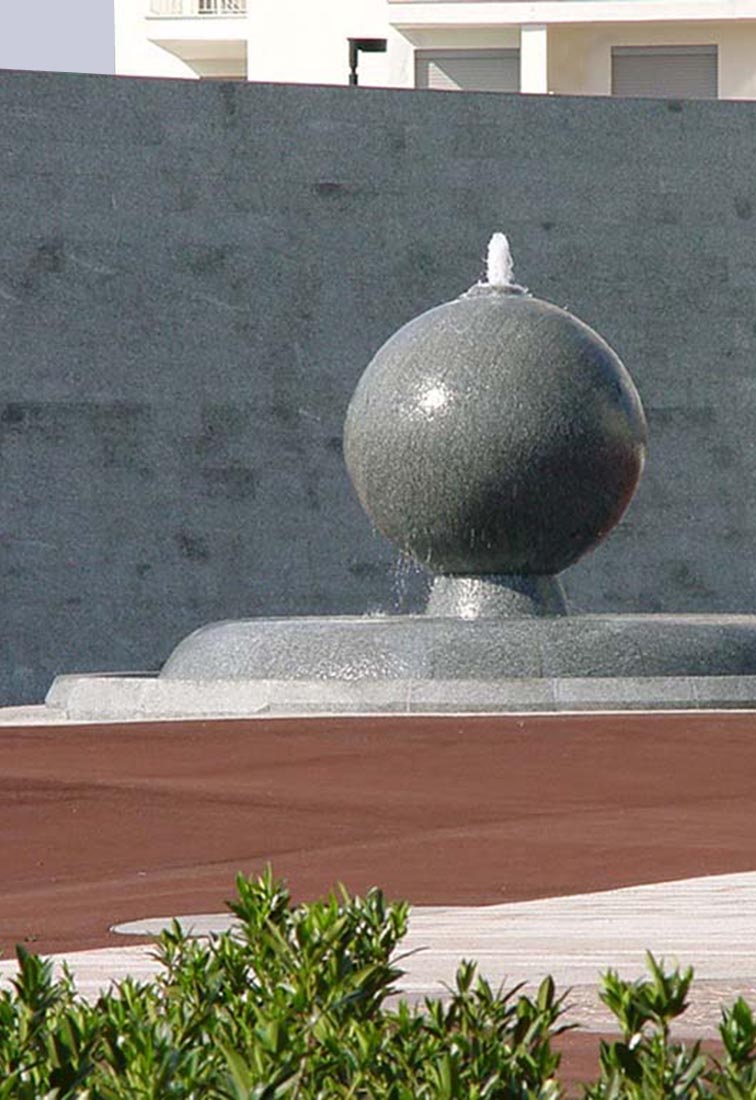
[495,434]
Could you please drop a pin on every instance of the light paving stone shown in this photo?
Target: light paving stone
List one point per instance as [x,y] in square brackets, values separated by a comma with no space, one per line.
[704,922]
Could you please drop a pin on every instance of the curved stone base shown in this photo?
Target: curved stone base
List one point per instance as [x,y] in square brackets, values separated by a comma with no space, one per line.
[433,665]
[421,648]
[114,698]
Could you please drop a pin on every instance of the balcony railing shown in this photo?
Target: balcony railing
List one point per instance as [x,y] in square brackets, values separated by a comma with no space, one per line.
[193,8]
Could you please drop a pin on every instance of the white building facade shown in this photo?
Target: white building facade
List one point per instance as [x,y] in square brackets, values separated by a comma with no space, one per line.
[677,48]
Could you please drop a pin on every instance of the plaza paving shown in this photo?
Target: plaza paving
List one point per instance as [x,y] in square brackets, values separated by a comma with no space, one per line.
[707,921]
[535,844]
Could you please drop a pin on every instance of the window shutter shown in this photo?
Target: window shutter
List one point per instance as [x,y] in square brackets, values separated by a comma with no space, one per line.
[678,72]
[468,70]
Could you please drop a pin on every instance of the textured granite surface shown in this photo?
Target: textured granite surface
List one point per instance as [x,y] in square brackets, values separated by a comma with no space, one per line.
[494,434]
[131,698]
[193,277]
[420,647]
[505,595]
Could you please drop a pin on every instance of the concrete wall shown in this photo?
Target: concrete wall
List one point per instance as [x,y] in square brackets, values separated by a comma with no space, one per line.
[193,276]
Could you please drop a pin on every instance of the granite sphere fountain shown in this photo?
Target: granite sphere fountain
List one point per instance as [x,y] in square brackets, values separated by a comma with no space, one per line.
[495,439]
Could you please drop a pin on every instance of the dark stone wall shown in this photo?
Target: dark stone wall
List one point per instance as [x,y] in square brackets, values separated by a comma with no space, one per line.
[193,277]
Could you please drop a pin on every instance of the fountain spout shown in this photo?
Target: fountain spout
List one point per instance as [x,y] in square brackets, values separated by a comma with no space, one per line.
[499,265]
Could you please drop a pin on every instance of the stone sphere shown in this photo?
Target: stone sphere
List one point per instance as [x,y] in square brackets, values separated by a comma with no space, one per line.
[495,434]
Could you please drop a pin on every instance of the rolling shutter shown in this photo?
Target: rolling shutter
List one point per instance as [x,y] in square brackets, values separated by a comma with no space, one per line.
[468,70]
[678,72]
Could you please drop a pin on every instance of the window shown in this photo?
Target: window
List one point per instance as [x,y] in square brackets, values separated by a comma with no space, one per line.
[680,72]
[468,70]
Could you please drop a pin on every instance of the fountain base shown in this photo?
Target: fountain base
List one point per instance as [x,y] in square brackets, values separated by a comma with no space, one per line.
[429,664]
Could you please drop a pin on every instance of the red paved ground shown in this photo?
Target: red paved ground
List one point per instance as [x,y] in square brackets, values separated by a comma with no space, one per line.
[101,824]
[580,1057]
[105,824]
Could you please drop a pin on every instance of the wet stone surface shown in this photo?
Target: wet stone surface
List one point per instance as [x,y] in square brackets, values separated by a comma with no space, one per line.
[495,434]
[416,647]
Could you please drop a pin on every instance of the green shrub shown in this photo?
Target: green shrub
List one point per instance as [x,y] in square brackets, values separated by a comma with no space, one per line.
[293,1005]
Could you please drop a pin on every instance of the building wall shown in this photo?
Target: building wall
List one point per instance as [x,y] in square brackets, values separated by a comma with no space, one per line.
[193,276]
[287,37]
[135,54]
[286,40]
[401,57]
[580,56]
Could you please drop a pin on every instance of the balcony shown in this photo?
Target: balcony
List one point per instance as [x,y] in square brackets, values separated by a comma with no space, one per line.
[209,36]
[195,9]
